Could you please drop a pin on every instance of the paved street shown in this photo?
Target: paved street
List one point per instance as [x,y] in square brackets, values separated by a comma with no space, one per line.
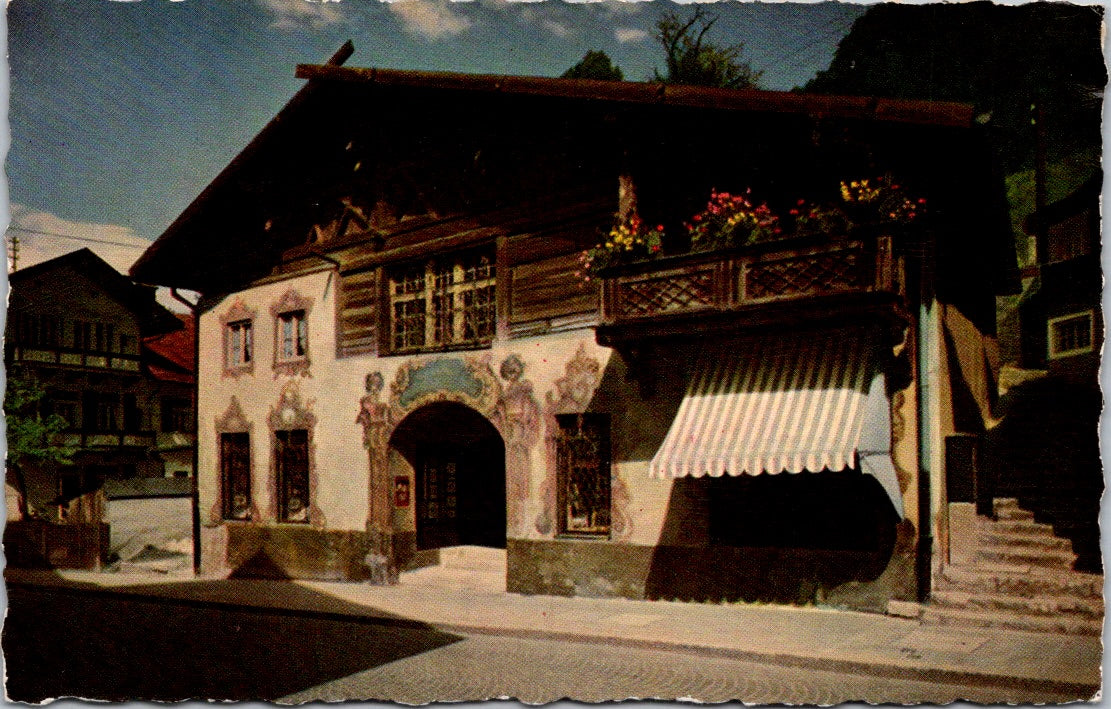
[544,671]
[69,643]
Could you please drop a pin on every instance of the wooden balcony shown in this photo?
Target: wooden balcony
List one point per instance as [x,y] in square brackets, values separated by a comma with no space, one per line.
[106,439]
[762,285]
[74,358]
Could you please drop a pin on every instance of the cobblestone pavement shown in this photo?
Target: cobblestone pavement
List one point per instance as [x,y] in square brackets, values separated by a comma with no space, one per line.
[535,671]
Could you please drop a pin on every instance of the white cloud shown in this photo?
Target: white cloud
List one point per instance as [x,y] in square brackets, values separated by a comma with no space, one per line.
[431,19]
[43,236]
[541,16]
[557,28]
[625,35]
[295,14]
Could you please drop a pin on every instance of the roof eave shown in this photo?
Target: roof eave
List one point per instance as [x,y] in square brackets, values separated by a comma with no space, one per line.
[940,113]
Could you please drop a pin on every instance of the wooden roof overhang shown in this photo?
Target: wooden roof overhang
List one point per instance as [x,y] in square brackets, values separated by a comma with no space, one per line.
[937,113]
[258,208]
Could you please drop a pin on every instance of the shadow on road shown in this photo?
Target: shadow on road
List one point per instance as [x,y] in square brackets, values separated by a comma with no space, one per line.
[196,639]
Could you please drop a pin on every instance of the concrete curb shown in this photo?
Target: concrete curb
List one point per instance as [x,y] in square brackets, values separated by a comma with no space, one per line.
[1082,690]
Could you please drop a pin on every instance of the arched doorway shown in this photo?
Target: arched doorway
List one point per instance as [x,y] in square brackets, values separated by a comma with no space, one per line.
[459,461]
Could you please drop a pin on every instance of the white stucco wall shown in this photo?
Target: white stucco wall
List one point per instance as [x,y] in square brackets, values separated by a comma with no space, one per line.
[332,389]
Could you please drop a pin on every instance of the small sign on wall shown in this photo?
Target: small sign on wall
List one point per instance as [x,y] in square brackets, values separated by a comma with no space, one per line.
[401,491]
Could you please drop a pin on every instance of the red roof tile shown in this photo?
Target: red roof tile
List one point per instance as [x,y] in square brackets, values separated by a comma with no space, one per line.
[170,357]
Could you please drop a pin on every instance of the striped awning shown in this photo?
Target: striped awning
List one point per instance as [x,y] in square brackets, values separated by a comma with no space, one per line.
[769,404]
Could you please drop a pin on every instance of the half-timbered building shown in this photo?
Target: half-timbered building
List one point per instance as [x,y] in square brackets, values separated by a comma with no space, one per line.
[407,346]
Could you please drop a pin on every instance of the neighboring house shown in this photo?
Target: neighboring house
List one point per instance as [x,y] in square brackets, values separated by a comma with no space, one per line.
[1061,322]
[400,352]
[92,338]
[170,363]
[1045,452]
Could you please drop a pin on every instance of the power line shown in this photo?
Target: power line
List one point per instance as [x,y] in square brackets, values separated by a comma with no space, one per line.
[78,238]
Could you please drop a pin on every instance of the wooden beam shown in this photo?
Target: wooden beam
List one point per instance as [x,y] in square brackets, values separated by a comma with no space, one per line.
[946,113]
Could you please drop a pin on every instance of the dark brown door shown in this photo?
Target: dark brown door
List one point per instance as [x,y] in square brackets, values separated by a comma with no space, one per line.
[438,501]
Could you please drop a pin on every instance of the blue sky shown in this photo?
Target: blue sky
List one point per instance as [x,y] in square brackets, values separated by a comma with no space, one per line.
[122,112]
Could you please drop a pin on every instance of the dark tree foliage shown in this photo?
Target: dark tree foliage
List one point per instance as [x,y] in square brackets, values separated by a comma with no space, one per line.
[31,432]
[1002,59]
[595,65]
[691,59]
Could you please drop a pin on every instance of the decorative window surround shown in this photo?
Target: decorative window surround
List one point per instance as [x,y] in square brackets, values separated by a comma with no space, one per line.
[238,328]
[1071,334]
[291,334]
[292,424]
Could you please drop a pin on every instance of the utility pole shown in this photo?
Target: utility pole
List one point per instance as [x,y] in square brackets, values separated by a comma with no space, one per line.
[13,251]
[1041,232]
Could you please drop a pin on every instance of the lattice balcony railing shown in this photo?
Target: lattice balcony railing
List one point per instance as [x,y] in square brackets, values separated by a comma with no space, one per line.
[707,282]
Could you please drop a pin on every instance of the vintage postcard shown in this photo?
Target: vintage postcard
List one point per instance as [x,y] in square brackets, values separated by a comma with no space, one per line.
[429,351]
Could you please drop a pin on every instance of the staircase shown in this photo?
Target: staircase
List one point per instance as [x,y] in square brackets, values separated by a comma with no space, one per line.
[1013,573]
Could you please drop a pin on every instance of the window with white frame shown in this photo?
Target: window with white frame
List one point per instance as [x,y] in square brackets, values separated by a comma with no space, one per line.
[293,335]
[240,344]
[1071,334]
[443,303]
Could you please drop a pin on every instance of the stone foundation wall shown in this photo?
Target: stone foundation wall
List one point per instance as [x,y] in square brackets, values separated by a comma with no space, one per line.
[847,579]
[299,552]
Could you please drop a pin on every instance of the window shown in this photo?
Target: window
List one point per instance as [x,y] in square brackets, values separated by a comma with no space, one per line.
[177,415]
[1071,334]
[128,344]
[443,303]
[65,405]
[100,411]
[583,466]
[37,330]
[132,414]
[82,335]
[291,462]
[240,344]
[235,471]
[292,335]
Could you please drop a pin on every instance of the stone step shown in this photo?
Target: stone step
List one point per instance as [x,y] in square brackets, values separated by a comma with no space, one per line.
[474,558]
[955,617]
[1020,581]
[1014,513]
[1047,558]
[1041,605]
[1008,505]
[1037,540]
[1018,526]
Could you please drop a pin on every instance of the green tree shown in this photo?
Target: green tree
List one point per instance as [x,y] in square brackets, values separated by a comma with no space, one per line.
[595,65]
[691,59]
[1000,59]
[32,436]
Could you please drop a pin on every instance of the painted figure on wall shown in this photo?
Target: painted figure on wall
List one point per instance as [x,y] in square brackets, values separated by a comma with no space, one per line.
[374,417]
[517,417]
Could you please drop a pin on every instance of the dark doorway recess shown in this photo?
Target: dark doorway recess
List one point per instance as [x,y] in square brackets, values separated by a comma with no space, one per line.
[785,538]
[459,459]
